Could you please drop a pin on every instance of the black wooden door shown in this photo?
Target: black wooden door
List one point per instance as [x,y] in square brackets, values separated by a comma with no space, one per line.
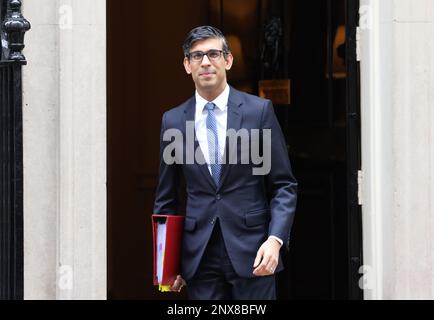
[324,138]
[312,45]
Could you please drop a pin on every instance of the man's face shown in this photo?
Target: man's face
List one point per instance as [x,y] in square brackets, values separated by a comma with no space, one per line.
[209,75]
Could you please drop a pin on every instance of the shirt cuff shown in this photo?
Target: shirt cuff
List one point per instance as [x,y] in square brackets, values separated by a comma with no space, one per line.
[277,239]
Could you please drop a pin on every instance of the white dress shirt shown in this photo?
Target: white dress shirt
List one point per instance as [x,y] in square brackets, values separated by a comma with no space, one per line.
[221,115]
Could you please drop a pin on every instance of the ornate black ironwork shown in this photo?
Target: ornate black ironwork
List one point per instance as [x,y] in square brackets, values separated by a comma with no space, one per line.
[3,41]
[271,48]
[13,27]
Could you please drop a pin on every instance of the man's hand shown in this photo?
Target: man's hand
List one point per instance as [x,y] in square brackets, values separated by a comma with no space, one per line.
[178,284]
[267,258]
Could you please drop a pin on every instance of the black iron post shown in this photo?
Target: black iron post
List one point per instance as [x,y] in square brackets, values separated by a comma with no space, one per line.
[13,28]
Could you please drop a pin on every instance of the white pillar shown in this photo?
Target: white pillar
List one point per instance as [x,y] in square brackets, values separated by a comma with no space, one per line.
[397,70]
[65,150]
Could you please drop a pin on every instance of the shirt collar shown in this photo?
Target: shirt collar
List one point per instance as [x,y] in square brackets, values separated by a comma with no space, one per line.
[221,101]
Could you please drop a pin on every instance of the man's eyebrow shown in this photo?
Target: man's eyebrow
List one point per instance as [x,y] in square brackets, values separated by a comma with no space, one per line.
[207,50]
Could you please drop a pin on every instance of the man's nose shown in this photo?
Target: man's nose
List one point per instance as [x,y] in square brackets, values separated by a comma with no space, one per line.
[205,60]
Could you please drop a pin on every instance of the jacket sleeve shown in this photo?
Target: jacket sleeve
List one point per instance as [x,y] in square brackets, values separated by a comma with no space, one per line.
[167,193]
[280,182]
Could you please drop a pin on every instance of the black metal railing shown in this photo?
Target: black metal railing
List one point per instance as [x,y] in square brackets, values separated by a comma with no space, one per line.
[13,26]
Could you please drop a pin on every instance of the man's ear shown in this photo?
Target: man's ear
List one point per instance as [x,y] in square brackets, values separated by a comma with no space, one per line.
[187,66]
[229,61]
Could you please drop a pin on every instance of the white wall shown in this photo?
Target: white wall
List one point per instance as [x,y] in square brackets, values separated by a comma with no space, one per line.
[65,150]
[397,149]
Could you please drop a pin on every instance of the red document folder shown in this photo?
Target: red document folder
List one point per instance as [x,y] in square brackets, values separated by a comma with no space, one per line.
[166,249]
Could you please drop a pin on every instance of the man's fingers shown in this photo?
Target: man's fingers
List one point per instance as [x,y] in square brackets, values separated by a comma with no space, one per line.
[178,284]
[258,258]
[265,261]
[261,269]
[269,252]
[269,256]
[257,261]
[271,266]
[267,266]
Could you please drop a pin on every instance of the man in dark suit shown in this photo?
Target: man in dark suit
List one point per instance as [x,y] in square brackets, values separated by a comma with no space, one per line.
[237,218]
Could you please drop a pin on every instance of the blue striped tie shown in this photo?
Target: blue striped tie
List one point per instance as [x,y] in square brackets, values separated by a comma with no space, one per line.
[213,143]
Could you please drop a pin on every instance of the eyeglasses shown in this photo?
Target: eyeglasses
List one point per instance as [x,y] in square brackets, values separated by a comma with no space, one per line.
[213,55]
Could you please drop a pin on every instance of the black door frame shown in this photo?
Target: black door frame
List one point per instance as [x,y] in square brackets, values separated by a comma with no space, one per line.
[353,139]
[13,27]
[355,240]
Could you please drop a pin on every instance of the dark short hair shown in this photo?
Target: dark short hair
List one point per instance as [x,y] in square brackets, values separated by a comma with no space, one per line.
[203,33]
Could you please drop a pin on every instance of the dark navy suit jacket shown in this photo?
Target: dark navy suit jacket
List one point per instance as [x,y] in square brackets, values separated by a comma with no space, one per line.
[250,208]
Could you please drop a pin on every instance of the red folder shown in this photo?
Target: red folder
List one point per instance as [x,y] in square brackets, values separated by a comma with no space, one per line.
[170,252]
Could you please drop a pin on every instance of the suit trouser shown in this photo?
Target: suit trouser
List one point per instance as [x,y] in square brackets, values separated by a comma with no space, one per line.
[216,279]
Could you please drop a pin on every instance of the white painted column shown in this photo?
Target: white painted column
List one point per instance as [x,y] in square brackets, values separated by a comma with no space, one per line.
[65,150]
[397,70]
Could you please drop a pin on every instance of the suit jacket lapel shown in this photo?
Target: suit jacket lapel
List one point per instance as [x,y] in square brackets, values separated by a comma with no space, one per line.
[234,122]
[189,114]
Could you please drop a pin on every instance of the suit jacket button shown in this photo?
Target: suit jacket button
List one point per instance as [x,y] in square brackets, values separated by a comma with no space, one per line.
[213,220]
[218,197]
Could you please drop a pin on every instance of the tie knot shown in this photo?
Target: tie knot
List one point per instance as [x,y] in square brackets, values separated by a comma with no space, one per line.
[210,106]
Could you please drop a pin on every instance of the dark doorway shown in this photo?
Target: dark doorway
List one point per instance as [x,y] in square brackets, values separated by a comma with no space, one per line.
[319,115]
